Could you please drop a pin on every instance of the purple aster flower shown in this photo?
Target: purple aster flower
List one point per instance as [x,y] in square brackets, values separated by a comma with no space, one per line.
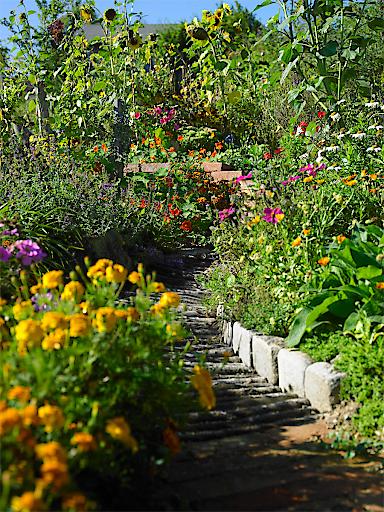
[5,254]
[11,232]
[28,252]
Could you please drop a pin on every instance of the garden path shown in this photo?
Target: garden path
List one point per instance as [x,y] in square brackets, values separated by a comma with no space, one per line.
[259,448]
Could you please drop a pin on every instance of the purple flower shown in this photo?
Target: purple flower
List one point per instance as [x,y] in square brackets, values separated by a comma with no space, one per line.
[163,120]
[177,127]
[28,252]
[273,215]
[11,232]
[306,168]
[224,214]
[5,254]
[246,177]
[42,301]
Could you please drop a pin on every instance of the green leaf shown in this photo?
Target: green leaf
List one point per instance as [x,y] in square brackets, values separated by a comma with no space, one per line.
[351,322]
[329,49]
[231,280]
[376,24]
[31,106]
[368,272]
[99,86]
[298,328]
[287,70]
[263,4]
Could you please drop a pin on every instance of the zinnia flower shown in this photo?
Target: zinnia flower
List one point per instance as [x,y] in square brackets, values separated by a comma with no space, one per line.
[324,261]
[273,215]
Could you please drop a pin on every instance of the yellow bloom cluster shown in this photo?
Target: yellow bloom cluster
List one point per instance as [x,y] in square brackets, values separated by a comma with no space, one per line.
[106,270]
[119,429]
[51,417]
[202,382]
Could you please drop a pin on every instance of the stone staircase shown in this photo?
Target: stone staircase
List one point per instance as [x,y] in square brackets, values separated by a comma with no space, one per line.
[255,450]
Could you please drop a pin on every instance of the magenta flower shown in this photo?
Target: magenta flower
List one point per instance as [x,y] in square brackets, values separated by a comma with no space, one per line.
[137,115]
[306,168]
[291,179]
[246,177]
[273,215]
[158,111]
[5,254]
[28,252]
[10,232]
[224,214]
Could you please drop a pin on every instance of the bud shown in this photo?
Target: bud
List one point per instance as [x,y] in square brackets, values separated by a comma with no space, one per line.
[87,261]
[74,276]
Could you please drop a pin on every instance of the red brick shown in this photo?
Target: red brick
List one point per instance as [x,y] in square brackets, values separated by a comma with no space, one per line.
[128,168]
[152,168]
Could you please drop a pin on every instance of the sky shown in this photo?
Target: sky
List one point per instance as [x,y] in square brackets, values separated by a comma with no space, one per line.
[155,11]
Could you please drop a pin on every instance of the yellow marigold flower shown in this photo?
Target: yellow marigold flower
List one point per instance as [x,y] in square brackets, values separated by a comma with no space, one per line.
[279,216]
[29,415]
[53,279]
[255,220]
[308,179]
[54,340]
[320,182]
[116,274]
[380,285]
[51,417]
[79,325]
[84,441]
[350,183]
[169,300]
[157,287]
[296,242]
[74,290]
[29,332]
[201,200]
[97,271]
[373,176]
[54,320]
[157,309]
[202,382]
[341,238]
[22,310]
[171,440]
[130,314]
[134,277]
[306,232]
[54,472]
[324,261]
[119,429]
[3,405]
[35,288]
[105,320]
[20,393]
[27,502]
[52,450]
[75,501]
[9,418]
[85,307]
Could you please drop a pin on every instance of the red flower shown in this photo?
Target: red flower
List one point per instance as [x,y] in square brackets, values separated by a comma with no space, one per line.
[303,124]
[186,225]
[143,203]
[278,151]
[180,138]
[321,114]
[219,145]
[169,182]
[267,156]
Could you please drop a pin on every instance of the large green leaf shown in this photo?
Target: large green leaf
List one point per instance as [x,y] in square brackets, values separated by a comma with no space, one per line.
[329,49]
[368,272]
[298,328]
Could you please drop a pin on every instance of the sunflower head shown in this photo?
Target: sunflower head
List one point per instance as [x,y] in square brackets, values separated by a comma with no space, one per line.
[109,15]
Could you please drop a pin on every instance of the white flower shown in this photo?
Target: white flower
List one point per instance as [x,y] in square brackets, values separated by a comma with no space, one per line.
[304,156]
[320,157]
[332,148]
[372,104]
[341,135]
[358,135]
[375,127]
[335,116]
[374,149]
[379,127]
[334,168]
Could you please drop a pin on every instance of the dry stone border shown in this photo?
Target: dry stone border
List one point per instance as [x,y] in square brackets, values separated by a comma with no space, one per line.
[292,370]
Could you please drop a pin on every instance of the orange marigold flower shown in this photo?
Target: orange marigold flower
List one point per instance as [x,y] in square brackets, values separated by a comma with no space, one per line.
[52,450]
[76,502]
[55,472]
[20,393]
[324,261]
[341,238]
[27,502]
[191,153]
[296,242]
[202,151]
[84,441]
[306,232]
[104,148]
[29,415]
[51,417]
[373,176]
[180,138]
[202,382]
[171,440]
[380,285]
[9,419]
[96,149]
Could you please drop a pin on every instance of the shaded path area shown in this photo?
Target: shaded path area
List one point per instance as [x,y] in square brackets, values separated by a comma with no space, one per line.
[257,450]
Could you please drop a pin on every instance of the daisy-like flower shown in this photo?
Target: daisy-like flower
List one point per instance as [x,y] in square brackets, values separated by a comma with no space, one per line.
[358,135]
[334,116]
[332,148]
[372,104]
[374,149]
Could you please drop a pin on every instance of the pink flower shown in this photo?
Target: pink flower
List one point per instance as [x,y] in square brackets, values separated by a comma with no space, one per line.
[224,214]
[163,120]
[158,111]
[246,177]
[278,151]
[273,215]
[137,115]
[291,179]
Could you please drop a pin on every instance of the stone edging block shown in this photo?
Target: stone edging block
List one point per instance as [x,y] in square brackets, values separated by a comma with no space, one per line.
[322,386]
[294,371]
